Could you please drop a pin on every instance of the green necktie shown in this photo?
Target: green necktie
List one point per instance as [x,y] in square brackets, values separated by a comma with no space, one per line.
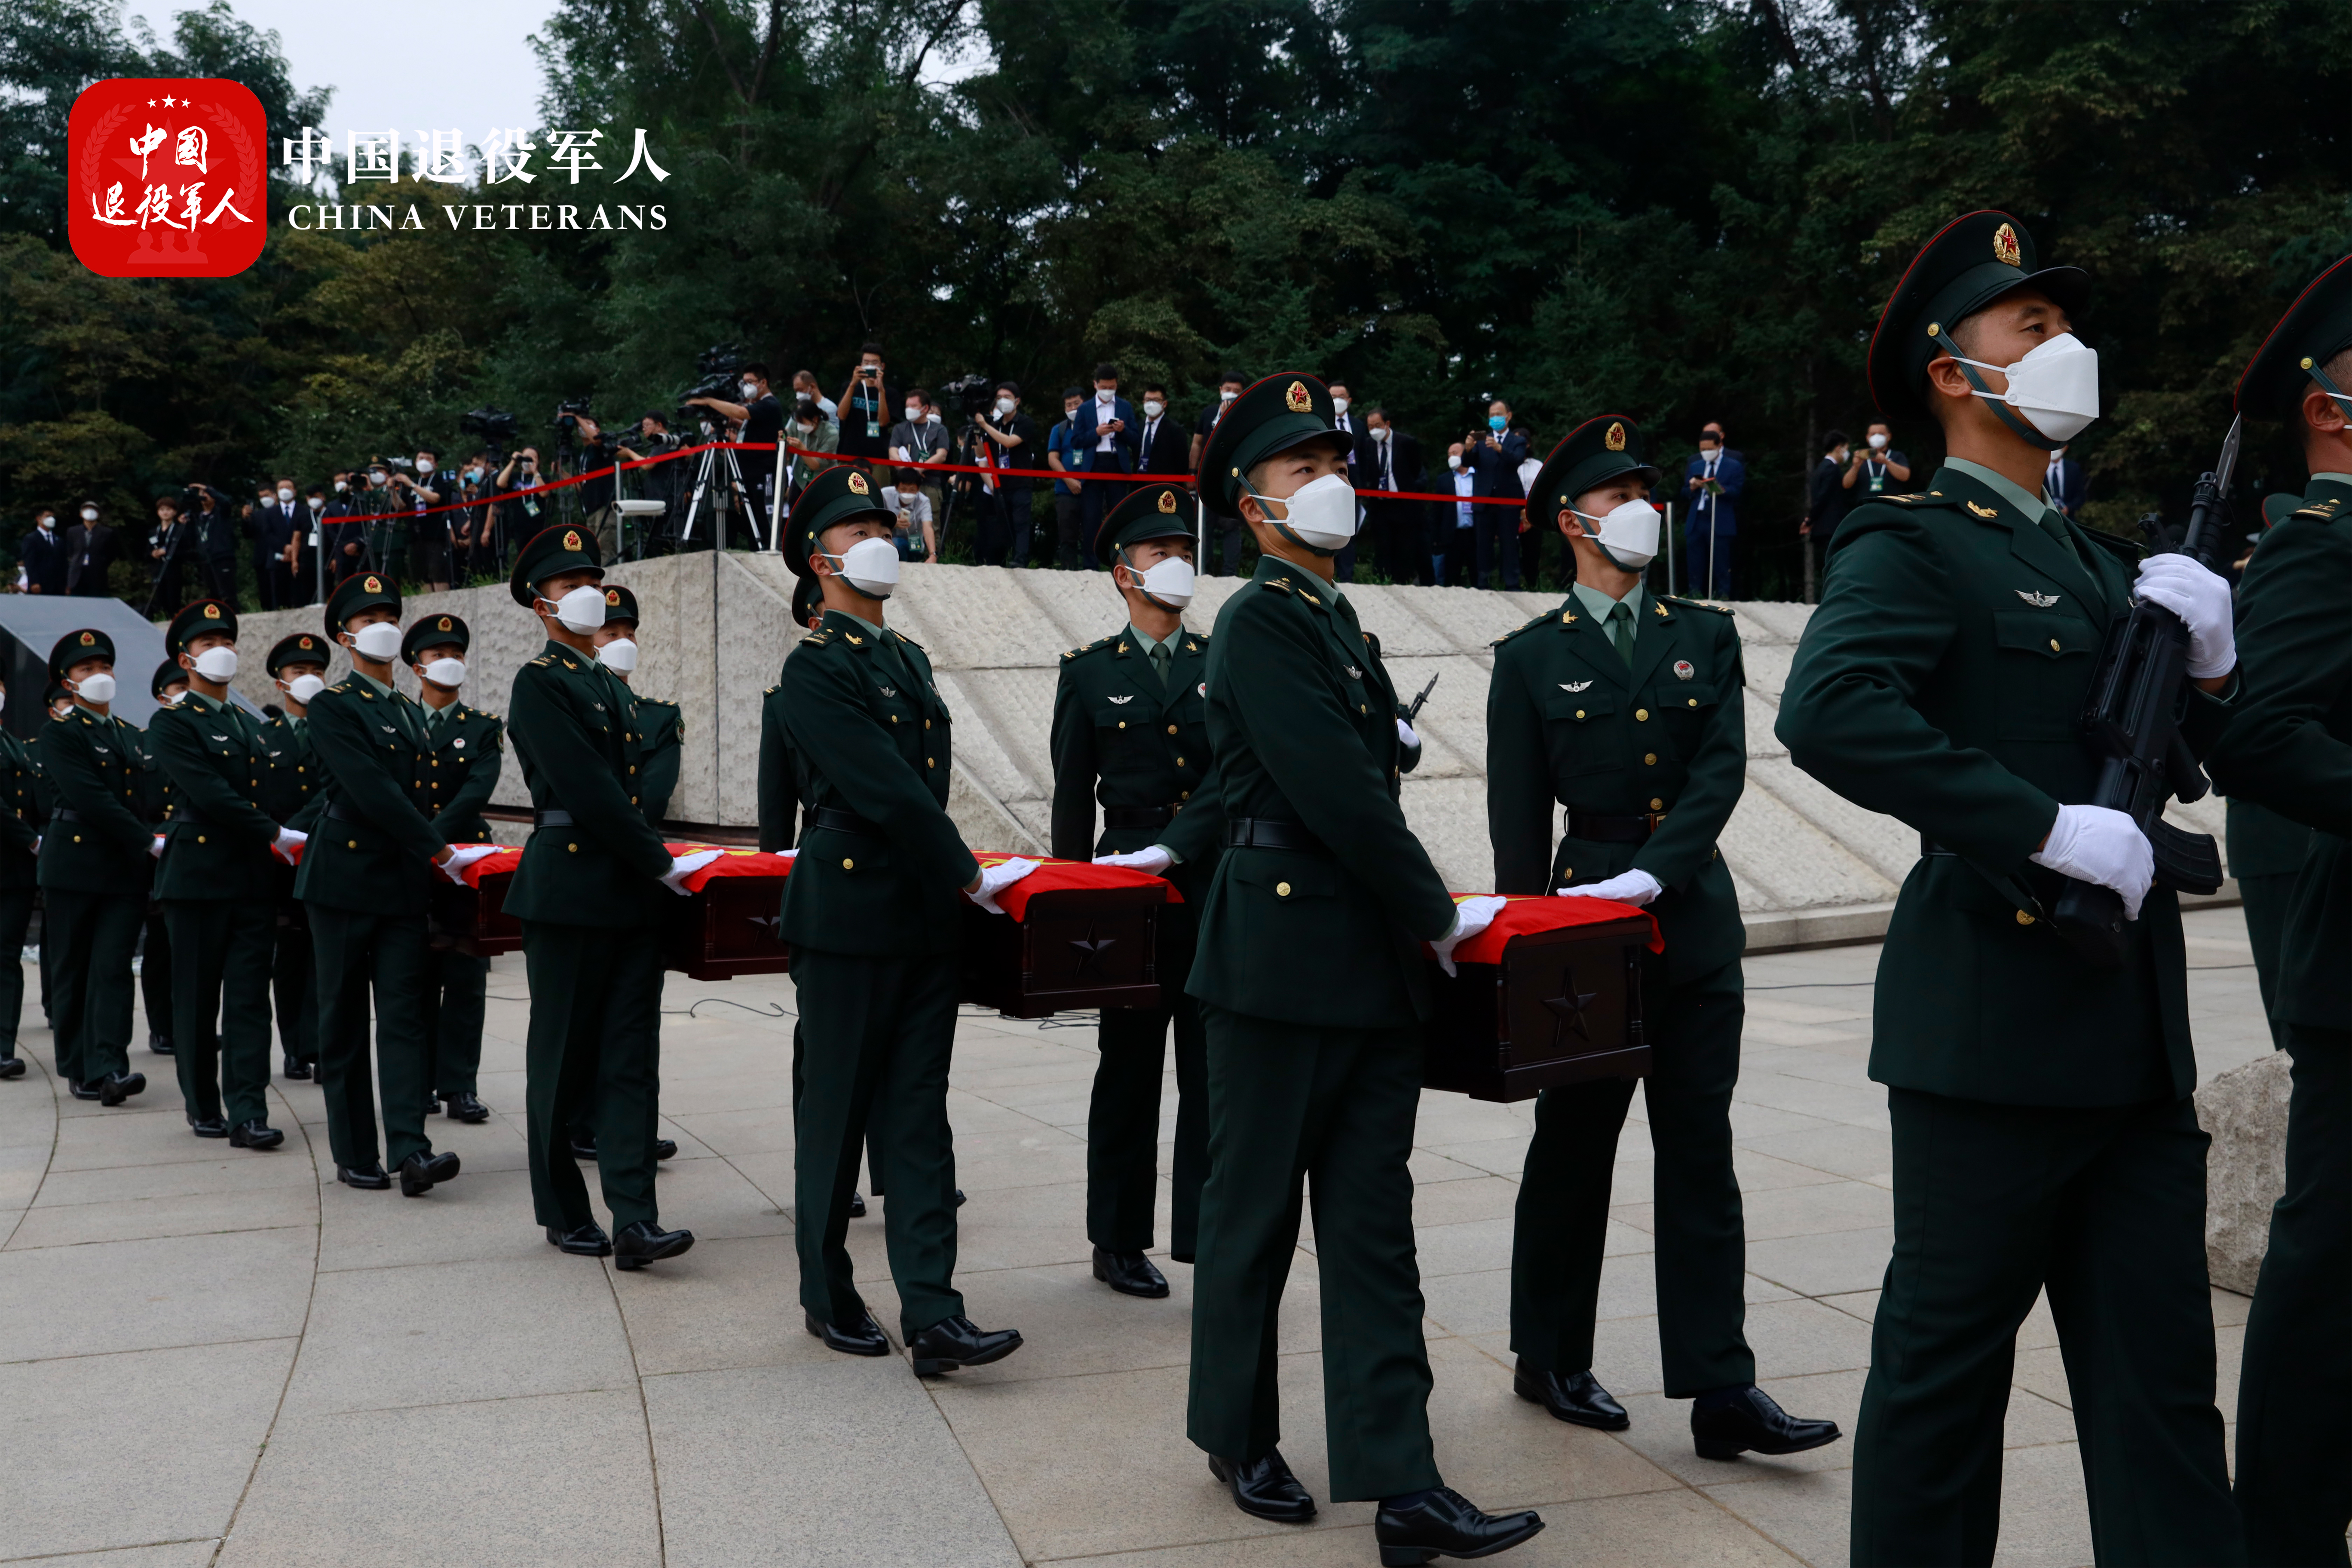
[1163,663]
[2056,525]
[1620,630]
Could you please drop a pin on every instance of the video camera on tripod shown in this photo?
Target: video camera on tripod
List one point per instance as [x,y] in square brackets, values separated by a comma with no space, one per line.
[496,427]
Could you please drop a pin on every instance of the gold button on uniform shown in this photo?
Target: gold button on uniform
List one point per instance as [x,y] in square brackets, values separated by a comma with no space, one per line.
[2054,644]
[1172,729]
[1123,723]
[1180,762]
[1650,758]
[931,761]
[348,843]
[1693,702]
[1657,805]
[1640,712]
[1282,889]
[848,864]
[2023,919]
[1580,712]
[199,838]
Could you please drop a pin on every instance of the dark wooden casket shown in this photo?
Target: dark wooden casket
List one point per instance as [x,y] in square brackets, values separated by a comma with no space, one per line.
[1075,947]
[474,922]
[1563,1007]
[732,927]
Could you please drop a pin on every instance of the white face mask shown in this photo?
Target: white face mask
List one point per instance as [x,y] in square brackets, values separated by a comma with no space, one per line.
[171,699]
[285,495]
[870,566]
[750,390]
[913,414]
[378,480]
[1380,434]
[581,610]
[619,656]
[341,486]
[2055,388]
[1167,582]
[446,672]
[1227,394]
[217,664]
[1153,408]
[1104,394]
[380,640]
[1877,440]
[1005,405]
[303,687]
[1321,514]
[89,514]
[1338,405]
[1628,535]
[99,688]
[1452,459]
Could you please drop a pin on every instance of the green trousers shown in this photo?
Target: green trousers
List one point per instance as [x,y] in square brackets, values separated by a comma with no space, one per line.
[456,986]
[2104,1207]
[874,1161]
[294,980]
[155,973]
[94,936]
[875,1037]
[1336,1107]
[357,953]
[2267,900]
[1562,1219]
[15,918]
[220,1000]
[2295,1391]
[1123,1120]
[594,1046]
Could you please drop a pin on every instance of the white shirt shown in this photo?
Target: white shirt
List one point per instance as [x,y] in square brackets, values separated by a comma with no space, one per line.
[1465,486]
[1103,414]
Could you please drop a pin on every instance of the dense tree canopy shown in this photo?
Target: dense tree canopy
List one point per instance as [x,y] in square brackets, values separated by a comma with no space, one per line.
[1678,210]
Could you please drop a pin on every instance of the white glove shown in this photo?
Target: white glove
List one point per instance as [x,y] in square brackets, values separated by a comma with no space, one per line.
[156,848]
[786,854]
[2201,600]
[2097,844]
[1154,860]
[681,867]
[1471,916]
[1405,734]
[460,858]
[289,839]
[1636,888]
[994,879]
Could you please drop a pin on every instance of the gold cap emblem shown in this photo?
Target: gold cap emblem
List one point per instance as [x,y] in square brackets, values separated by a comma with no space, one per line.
[212,612]
[2004,247]
[1615,439]
[571,538]
[445,625]
[857,485]
[373,585]
[612,595]
[308,643]
[1295,398]
[88,640]
[1168,503]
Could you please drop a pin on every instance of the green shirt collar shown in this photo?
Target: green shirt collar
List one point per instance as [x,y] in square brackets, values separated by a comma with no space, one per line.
[2326,478]
[1601,604]
[1148,642]
[2023,500]
[380,688]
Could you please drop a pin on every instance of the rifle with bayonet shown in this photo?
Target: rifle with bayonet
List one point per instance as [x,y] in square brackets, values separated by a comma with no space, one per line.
[2131,720]
[1412,710]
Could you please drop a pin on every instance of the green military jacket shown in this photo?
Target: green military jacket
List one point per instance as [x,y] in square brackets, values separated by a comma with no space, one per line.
[217,843]
[2289,747]
[574,732]
[460,771]
[296,785]
[99,838]
[22,814]
[867,732]
[1568,721]
[661,746]
[371,849]
[1302,716]
[780,789]
[1122,738]
[1941,681]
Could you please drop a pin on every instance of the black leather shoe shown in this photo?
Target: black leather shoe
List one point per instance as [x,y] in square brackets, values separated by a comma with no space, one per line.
[12,1066]
[953,1343]
[433,1106]
[464,1107]
[1265,1489]
[366,1178]
[117,1087]
[588,1241]
[1129,1274]
[1749,1421]
[583,1146]
[864,1338]
[640,1243]
[958,1198]
[1575,1397]
[665,1148]
[297,1070]
[158,1044]
[255,1134]
[857,1205]
[1447,1524]
[82,1090]
[208,1126]
[421,1170]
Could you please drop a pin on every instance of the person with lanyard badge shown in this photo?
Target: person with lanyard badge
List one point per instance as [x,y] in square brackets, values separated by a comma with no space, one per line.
[167,686]
[22,815]
[592,893]
[465,748]
[1129,728]
[95,859]
[1625,710]
[863,432]
[217,885]
[297,666]
[873,913]
[2289,751]
[1309,973]
[1876,469]
[365,883]
[2043,1136]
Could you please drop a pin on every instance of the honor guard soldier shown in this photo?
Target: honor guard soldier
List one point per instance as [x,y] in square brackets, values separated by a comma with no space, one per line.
[465,749]
[2289,751]
[2044,1137]
[592,893]
[1624,708]
[297,668]
[167,686]
[1131,726]
[22,814]
[873,911]
[1310,979]
[217,883]
[364,883]
[661,726]
[95,858]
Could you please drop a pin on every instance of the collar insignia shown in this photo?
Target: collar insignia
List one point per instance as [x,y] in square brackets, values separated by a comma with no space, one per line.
[1982,510]
[1574,685]
[2038,601]
[1295,398]
[1659,608]
[855,639]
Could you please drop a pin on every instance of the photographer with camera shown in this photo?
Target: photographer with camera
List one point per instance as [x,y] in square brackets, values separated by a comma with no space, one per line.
[518,517]
[658,483]
[862,413]
[598,457]
[428,531]
[1010,439]
[920,439]
[212,542]
[812,431]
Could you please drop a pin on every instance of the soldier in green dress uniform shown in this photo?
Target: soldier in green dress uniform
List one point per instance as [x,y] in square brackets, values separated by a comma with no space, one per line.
[873,912]
[465,747]
[216,882]
[167,686]
[660,726]
[364,883]
[22,814]
[56,702]
[2044,1137]
[1130,728]
[1310,978]
[297,667]
[1624,709]
[592,894]
[2289,750]
[95,859]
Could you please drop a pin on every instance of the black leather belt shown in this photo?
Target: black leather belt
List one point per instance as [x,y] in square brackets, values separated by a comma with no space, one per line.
[552,817]
[1635,829]
[835,820]
[189,814]
[64,814]
[336,809]
[1137,816]
[1270,833]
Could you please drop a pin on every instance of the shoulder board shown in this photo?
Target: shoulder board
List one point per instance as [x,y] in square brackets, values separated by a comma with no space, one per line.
[1543,620]
[1281,582]
[905,638]
[1090,647]
[340,686]
[542,662]
[1680,602]
[2321,510]
[772,689]
[819,636]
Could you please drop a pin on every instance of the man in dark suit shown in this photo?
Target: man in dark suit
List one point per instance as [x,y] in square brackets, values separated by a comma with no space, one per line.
[1164,448]
[90,546]
[2062,483]
[277,524]
[1493,455]
[1387,458]
[1103,440]
[1712,484]
[43,556]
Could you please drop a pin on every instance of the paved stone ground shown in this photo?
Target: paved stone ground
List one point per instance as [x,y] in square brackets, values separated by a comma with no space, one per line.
[208,1356]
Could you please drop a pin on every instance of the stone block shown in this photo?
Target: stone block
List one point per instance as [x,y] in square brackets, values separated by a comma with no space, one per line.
[2244,1111]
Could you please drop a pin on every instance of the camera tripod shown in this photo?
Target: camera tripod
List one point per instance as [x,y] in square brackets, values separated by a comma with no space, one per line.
[732,481]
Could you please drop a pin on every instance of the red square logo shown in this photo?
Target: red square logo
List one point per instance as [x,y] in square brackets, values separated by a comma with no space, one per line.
[167,178]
